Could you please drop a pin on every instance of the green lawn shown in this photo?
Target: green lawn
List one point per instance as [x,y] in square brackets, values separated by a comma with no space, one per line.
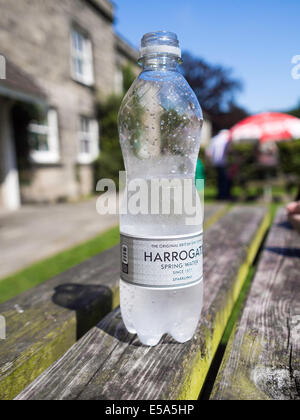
[41,271]
[251,193]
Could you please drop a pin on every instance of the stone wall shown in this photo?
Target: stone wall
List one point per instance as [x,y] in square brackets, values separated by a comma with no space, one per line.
[86,176]
[126,54]
[47,186]
[35,35]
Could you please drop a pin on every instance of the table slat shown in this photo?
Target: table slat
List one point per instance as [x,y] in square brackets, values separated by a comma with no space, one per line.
[262,361]
[44,322]
[109,363]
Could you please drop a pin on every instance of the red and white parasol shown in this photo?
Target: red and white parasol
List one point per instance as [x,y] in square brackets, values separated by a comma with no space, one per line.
[269,126]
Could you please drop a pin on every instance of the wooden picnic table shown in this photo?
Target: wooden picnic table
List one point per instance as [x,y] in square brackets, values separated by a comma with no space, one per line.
[57,349]
[262,360]
[44,322]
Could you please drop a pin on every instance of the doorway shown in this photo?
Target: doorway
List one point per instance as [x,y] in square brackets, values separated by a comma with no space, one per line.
[9,176]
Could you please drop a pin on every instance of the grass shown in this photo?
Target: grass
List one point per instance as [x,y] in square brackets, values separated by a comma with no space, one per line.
[211,193]
[41,271]
[251,193]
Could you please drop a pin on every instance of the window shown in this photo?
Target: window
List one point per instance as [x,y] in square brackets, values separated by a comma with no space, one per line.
[43,139]
[88,140]
[119,80]
[81,58]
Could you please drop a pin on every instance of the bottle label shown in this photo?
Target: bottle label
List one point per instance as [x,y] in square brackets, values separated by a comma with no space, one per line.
[169,262]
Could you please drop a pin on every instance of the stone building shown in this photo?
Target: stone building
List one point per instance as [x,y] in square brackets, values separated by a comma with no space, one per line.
[61,56]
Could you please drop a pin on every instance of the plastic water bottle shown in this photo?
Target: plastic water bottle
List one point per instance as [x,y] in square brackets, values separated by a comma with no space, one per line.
[160,120]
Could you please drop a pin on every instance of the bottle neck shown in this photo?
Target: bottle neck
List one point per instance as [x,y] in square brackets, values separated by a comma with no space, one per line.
[160,62]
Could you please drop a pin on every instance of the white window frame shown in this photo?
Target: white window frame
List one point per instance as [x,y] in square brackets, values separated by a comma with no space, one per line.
[85,56]
[50,129]
[92,136]
[119,80]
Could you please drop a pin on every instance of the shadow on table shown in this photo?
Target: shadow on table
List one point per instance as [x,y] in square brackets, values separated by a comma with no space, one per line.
[285,252]
[285,225]
[90,302]
[94,307]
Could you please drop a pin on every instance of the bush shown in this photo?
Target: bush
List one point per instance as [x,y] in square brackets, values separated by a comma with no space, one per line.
[242,163]
[242,166]
[110,161]
[289,155]
[210,171]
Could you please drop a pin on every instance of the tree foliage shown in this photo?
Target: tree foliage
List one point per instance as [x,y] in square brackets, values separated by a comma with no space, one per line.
[296,111]
[289,153]
[110,161]
[213,84]
[214,87]
[128,77]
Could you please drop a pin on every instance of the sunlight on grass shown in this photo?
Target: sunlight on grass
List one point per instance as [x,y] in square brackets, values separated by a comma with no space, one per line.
[44,270]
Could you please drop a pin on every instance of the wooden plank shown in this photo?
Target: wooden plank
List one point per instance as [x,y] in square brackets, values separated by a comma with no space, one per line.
[44,322]
[109,363]
[213,212]
[262,361]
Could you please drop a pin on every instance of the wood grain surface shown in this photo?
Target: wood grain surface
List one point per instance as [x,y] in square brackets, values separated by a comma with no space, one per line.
[109,363]
[262,361]
[44,322]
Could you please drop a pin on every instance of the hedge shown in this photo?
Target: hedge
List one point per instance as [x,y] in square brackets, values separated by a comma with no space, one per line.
[110,161]
[242,163]
[289,155]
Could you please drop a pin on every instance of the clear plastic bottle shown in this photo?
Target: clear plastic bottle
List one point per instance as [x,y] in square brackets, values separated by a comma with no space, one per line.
[160,120]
